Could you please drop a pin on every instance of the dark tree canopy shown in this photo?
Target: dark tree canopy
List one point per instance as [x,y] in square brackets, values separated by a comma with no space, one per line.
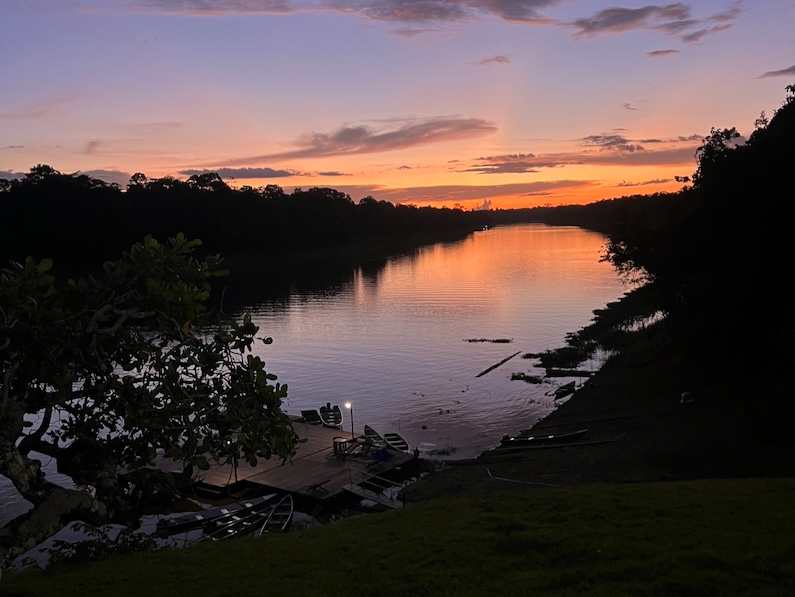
[86,221]
[127,364]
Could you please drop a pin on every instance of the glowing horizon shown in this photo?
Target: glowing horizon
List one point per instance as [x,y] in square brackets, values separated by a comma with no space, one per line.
[441,102]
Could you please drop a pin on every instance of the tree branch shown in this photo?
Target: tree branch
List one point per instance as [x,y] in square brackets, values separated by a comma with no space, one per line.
[33,439]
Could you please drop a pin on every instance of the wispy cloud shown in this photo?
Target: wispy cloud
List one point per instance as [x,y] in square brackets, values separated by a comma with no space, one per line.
[697,36]
[217,7]
[242,173]
[412,31]
[617,20]
[606,150]
[720,21]
[675,19]
[405,11]
[462,193]
[515,163]
[361,139]
[678,26]
[784,72]
[496,60]
[611,142]
[661,53]
[333,173]
[728,15]
[644,183]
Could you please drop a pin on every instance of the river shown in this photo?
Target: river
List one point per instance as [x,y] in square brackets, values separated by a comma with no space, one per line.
[391,339]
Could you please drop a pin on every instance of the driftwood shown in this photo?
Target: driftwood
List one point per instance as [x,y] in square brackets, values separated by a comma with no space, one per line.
[494,366]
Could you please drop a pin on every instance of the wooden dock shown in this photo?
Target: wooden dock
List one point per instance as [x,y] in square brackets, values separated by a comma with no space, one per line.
[314,471]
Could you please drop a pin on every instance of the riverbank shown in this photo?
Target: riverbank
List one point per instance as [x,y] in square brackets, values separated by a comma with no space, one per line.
[631,511]
[639,429]
[699,537]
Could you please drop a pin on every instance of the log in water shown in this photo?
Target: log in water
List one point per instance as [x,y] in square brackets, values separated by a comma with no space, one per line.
[493,367]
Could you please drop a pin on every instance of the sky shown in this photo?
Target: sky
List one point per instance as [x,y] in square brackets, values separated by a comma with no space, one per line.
[478,103]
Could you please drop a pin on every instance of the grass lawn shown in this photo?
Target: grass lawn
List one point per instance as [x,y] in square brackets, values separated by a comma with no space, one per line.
[713,537]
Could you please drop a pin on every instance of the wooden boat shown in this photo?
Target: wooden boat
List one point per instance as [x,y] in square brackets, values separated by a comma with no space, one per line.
[195,520]
[374,438]
[396,442]
[565,390]
[240,523]
[311,416]
[279,518]
[331,416]
[528,438]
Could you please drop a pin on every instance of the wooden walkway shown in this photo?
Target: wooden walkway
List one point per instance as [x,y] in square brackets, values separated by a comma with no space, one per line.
[314,470]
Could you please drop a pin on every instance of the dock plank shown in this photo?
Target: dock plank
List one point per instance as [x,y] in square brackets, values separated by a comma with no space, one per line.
[313,471]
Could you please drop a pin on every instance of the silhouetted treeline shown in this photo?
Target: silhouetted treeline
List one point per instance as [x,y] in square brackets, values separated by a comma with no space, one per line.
[720,252]
[723,250]
[81,220]
[612,216]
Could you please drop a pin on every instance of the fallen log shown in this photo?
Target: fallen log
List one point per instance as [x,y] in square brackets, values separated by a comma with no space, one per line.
[494,366]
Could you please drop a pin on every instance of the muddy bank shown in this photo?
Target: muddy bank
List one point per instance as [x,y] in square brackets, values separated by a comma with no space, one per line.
[639,428]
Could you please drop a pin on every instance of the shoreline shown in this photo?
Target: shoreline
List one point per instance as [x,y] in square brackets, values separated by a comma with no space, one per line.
[638,430]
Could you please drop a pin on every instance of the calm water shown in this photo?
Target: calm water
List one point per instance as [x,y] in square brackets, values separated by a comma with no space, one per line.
[391,339]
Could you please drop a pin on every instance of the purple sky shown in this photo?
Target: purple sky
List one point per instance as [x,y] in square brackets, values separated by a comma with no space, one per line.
[522,102]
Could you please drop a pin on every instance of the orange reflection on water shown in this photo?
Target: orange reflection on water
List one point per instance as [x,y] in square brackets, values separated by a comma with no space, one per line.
[391,337]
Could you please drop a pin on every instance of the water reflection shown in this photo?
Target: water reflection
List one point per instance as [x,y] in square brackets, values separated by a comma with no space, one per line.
[389,336]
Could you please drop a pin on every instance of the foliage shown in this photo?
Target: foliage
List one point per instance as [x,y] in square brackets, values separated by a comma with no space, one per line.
[608,329]
[720,253]
[85,221]
[99,543]
[127,365]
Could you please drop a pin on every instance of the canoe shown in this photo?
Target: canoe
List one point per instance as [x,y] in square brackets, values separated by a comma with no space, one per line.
[194,520]
[240,523]
[375,439]
[525,438]
[565,389]
[279,518]
[396,442]
[311,416]
[331,416]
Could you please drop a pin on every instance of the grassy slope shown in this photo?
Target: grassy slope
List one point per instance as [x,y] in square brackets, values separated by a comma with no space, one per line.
[471,535]
[693,537]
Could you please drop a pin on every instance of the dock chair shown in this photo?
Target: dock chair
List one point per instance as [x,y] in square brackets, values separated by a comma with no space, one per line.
[312,417]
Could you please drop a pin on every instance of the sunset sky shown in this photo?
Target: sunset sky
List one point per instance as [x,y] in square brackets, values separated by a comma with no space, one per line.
[508,102]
